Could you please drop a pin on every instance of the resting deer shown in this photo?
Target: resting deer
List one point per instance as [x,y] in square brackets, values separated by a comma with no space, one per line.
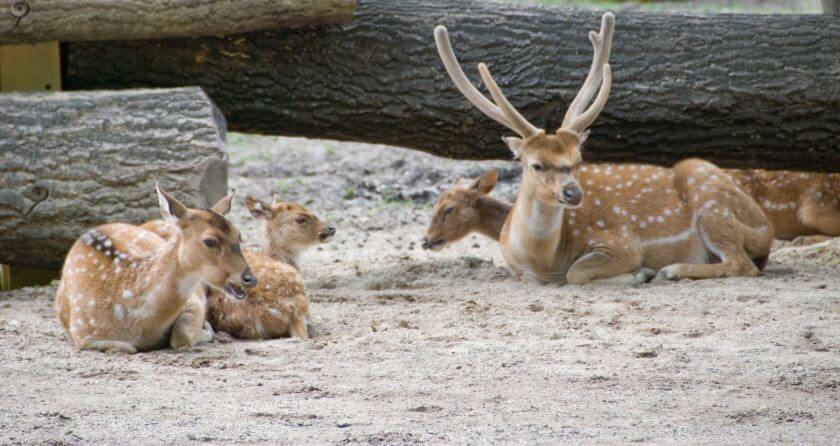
[635,218]
[278,306]
[801,205]
[464,208]
[125,289]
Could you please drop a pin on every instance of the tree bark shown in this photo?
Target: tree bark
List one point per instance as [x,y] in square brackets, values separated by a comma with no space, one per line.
[831,7]
[70,161]
[740,90]
[27,21]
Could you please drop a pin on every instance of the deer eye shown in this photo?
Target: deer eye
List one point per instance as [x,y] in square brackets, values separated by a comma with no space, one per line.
[211,243]
[537,166]
[448,210]
[300,220]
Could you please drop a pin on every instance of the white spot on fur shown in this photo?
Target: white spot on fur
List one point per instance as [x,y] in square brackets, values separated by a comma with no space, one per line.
[119,312]
[127,294]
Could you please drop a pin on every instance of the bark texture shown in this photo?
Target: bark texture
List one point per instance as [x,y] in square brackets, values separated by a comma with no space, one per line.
[831,7]
[70,161]
[23,21]
[740,90]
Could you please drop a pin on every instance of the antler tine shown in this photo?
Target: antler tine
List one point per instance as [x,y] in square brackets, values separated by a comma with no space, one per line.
[582,122]
[601,45]
[522,126]
[447,56]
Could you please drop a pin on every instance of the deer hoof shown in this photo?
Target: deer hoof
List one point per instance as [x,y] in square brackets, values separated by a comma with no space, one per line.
[670,272]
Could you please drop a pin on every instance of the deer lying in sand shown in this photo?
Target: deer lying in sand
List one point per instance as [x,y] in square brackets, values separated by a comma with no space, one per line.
[279,305]
[125,289]
[801,205]
[691,221]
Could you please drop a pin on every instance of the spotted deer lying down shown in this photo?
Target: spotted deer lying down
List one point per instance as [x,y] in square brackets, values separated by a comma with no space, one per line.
[125,289]
[801,205]
[278,306]
[690,221]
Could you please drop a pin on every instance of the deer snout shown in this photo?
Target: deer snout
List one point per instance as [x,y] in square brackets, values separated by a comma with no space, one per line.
[572,194]
[249,280]
[328,232]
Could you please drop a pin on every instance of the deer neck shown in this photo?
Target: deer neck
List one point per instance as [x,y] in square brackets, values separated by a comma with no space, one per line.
[278,249]
[171,284]
[535,231]
[492,214]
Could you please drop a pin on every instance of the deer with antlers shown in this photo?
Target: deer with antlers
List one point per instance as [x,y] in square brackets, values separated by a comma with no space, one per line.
[690,221]
[125,289]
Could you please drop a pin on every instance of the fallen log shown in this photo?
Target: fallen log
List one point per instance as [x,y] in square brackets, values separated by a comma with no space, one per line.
[70,161]
[27,21]
[741,90]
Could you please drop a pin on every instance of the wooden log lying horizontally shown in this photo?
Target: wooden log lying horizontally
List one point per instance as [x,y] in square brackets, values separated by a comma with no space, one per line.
[67,20]
[741,90]
[70,161]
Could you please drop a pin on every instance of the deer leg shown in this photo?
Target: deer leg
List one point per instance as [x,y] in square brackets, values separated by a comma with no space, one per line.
[804,240]
[189,328]
[111,346]
[299,328]
[723,237]
[607,265]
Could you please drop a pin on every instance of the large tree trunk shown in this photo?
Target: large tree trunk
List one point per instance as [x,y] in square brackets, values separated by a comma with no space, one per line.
[65,20]
[69,161]
[831,7]
[741,90]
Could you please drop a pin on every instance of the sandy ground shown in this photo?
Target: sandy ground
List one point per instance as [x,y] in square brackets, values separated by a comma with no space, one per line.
[418,347]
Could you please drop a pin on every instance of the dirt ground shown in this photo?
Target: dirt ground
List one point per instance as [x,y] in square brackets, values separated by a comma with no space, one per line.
[417,347]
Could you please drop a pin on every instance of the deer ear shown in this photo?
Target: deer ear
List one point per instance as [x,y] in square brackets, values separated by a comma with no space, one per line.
[222,206]
[485,183]
[515,145]
[259,209]
[171,209]
[569,138]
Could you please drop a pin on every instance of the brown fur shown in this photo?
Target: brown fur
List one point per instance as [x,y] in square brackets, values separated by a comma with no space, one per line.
[126,289]
[464,208]
[278,306]
[803,205]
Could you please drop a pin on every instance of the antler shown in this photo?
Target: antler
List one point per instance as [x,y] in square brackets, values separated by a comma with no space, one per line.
[504,113]
[576,118]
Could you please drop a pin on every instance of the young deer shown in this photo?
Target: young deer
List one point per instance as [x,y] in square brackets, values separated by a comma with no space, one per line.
[278,306]
[801,205]
[125,289]
[464,208]
[636,218]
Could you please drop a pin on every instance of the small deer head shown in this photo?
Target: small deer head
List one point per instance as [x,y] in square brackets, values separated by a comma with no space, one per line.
[455,214]
[289,227]
[209,244]
[549,161]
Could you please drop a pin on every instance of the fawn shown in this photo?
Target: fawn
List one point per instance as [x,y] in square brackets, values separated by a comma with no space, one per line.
[802,205]
[125,289]
[690,221]
[278,306]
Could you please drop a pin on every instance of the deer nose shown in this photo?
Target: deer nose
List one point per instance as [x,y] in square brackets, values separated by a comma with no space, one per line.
[330,230]
[425,244]
[572,194]
[249,280]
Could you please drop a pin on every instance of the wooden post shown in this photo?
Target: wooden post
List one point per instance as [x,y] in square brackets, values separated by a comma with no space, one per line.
[28,67]
[831,7]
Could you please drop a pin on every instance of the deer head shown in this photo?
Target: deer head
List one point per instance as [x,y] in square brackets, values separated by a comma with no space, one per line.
[549,161]
[289,228]
[209,244]
[457,213]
